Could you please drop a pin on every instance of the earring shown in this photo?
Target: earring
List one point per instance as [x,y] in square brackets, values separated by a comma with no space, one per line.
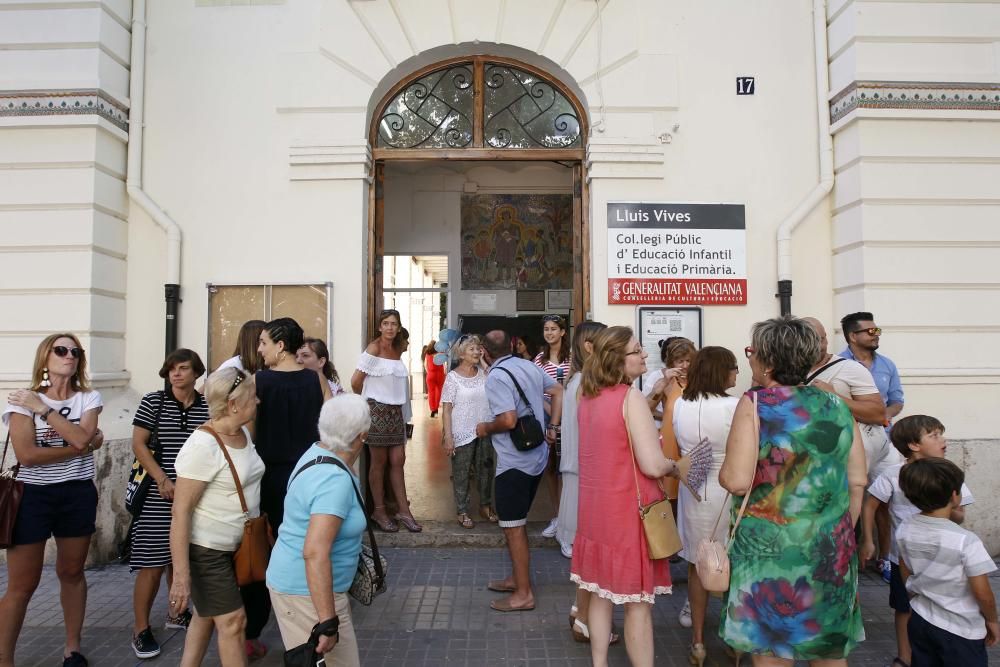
[235,410]
[45,378]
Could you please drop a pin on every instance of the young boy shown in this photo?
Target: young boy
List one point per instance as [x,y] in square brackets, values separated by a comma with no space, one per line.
[945,570]
[916,437]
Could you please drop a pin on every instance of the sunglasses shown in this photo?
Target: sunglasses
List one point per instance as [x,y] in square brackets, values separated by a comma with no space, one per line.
[240,377]
[389,311]
[552,318]
[639,351]
[62,351]
[748,351]
[871,331]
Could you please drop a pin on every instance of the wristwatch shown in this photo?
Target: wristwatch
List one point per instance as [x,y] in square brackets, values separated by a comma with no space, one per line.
[45,415]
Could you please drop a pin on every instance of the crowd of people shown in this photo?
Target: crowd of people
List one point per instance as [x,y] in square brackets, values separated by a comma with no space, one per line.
[805,478]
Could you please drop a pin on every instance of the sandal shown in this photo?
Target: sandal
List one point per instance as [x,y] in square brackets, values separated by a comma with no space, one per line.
[581,634]
[387,525]
[464,521]
[409,523]
[487,513]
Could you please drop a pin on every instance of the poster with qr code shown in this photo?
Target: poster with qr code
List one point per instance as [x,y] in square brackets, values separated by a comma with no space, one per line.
[659,324]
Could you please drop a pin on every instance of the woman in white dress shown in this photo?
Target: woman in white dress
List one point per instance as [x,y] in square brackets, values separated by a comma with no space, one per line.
[704,411]
[463,406]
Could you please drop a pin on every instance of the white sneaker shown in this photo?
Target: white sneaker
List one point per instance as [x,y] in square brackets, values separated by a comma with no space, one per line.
[684,618]
[550,530]
[566,550]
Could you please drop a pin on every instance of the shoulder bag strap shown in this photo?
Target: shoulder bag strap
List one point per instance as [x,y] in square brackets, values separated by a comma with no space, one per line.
[232,468]
[519,390]
[746,498]
[635,468]
[13,469]
[357,492]
[813,376]
[154,438]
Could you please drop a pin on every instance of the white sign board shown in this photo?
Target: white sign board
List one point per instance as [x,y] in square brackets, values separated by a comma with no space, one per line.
[677,254]
[659,324]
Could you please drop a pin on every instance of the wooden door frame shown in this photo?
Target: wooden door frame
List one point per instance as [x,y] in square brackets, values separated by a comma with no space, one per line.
[575,158]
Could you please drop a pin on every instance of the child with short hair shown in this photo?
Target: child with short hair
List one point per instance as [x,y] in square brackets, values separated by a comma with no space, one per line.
[944,568]
[915,437]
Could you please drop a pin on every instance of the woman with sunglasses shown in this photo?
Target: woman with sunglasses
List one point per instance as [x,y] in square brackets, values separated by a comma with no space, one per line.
[53,430]
[797,452]
[554,360]
[208,519]
[383,380]
[172,415]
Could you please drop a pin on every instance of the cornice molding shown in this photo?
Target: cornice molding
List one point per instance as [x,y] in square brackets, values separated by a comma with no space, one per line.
[33,103]
[914,95]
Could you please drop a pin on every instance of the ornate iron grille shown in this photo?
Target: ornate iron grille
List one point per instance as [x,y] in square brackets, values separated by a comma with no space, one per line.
[523,110]
[434,111]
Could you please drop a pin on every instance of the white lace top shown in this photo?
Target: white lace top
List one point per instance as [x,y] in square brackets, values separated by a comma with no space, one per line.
[470,405]
[385,381]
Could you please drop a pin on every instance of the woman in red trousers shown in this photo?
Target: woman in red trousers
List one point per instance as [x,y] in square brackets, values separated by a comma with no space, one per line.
[435,378]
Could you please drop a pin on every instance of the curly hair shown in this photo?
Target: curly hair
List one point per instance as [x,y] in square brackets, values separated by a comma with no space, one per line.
[788,345]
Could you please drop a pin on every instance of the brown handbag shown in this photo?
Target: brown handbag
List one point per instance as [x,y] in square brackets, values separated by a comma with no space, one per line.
[11,490]
[657,517]
[250,559]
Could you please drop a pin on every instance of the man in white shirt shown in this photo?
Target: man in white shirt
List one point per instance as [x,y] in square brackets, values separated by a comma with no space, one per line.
[854,383]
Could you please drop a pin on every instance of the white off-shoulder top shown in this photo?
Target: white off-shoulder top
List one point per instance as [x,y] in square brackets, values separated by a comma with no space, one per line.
[386,379]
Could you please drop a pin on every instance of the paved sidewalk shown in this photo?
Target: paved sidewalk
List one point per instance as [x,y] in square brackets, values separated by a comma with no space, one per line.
[435,613]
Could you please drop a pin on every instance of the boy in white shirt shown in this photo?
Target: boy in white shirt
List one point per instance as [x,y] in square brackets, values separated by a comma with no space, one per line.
[945,570]
[915,437]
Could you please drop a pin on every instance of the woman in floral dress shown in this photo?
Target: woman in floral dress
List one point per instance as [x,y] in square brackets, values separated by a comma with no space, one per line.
[793,592]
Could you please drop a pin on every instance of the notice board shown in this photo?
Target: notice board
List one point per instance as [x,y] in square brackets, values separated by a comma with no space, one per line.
[676,254]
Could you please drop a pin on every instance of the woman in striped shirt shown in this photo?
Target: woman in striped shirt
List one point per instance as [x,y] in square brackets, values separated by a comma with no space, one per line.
[173,415]
[53,430]
[555,362]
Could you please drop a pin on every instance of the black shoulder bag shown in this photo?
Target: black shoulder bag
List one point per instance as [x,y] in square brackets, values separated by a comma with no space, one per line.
[139,479]
[369,579]
[527,432]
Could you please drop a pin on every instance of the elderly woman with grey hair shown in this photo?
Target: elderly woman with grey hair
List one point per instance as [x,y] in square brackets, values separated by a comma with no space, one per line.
[316,555]
[796,451]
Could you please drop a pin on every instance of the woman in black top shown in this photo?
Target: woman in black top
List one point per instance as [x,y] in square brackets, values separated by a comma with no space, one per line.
[173,415]
[290,400]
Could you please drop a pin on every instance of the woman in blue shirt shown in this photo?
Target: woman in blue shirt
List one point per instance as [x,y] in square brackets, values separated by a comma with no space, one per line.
[316,555]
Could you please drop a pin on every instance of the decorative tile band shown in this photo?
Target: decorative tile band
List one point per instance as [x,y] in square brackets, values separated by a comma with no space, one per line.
[63,102]
[915,95]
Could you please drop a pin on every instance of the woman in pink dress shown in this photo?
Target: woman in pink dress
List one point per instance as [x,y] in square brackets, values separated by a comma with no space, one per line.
[610,558]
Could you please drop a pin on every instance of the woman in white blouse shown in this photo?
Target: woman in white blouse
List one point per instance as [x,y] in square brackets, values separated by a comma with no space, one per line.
[208,519]
[382,378]
[463,406]
[704,412]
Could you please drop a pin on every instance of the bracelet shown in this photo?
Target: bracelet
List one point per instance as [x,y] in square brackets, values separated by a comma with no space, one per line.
[45,415]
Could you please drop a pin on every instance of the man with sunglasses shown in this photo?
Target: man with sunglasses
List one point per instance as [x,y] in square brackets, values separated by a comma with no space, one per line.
[862,342]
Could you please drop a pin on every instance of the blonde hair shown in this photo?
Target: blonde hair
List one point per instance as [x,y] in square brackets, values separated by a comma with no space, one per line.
[219,390]
[464,342]
[605,367]
[79,381]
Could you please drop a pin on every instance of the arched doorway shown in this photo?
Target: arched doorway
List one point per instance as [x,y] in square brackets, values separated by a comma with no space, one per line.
[479,109]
